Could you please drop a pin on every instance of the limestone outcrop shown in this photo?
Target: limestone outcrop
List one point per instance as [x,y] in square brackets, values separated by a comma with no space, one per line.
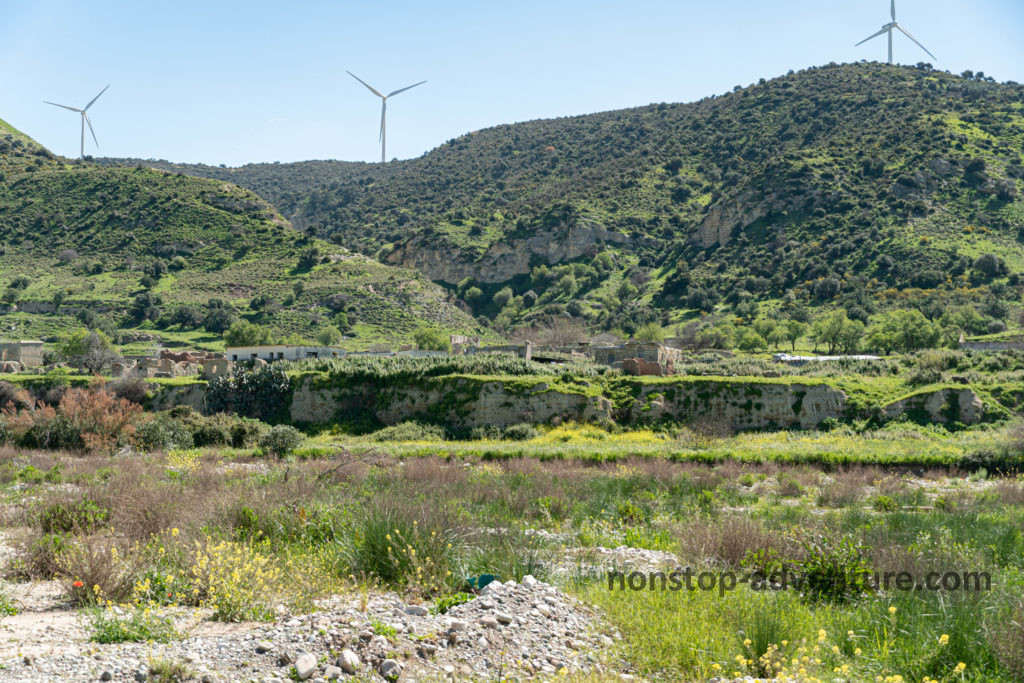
[943,406]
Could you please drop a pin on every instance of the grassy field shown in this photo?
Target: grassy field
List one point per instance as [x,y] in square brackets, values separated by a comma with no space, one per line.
[193,523]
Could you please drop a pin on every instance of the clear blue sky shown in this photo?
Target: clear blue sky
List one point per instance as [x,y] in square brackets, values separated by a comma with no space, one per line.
[235,82]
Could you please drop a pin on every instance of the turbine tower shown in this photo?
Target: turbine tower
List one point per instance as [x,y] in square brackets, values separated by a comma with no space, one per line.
[85,118]
[889,28]
[383,108]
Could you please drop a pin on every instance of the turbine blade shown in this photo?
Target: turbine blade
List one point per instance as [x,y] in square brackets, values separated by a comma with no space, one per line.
[383,111]
[63,105]
[86,117]
[95,98]
[410,87]
[873,35]
[369,87]
[892,10]
[904,32]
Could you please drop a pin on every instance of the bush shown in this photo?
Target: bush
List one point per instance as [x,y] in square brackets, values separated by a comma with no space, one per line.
[409,431]
[281,441]
[85,420]
[519,432]
[134,389]
[164,433]
[252,392]
[81,516]
[832,570]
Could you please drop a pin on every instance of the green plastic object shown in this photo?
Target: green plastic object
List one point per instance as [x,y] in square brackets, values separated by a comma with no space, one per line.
[478,582]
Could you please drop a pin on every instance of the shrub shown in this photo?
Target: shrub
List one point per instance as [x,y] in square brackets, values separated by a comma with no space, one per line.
[95,571]
[885,504]
[281,441]
[164,433]
[237,580]
[519,432]
[14,396]
[134,389]
[82,516]
[85,420]
[138,625]
[832,570]
[409,431]
[446,602]
[252,392]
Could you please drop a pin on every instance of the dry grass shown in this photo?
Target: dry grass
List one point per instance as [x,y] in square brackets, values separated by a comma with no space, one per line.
[729,540]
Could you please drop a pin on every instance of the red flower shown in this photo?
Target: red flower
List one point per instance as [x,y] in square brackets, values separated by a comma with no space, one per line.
[77,584]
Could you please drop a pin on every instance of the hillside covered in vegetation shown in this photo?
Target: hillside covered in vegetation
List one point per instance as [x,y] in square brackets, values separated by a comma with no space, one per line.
[861,186]
[176,259]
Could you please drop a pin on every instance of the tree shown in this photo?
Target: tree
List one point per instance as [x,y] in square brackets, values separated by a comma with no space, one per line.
[837,331]
[651,332]
[329,336]
[472,294]
[87,349]
[219,316]
[146,307]
[750,340]
[432,339]
[906,330]
[245,333]
[559,331]
[990,265]
[502,297]
[187,316]
[309,258]
[794,330]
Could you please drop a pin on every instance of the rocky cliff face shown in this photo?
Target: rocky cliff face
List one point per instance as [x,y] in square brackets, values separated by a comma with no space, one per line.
[467,402]
[740,405]
[502,260]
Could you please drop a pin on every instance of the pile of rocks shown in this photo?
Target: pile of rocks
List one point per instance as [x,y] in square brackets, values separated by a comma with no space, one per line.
[528,630]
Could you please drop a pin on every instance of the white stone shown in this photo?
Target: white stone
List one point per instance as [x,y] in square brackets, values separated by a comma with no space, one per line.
[348,661]
[305,666]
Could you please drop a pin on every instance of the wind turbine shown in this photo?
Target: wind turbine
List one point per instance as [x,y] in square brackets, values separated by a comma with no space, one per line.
[85,118]
[383,108]
[888,28]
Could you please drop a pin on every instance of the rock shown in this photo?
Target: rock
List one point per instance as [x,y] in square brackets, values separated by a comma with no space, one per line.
[503,617]
[488,621]
[529,581]
[305,666]
[107,676]
[417,610]
[264,646]
[455,625]
[348,661]
[332,672]
[390,669]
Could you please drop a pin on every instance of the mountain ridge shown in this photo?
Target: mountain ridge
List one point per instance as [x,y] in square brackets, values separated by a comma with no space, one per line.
[762,193]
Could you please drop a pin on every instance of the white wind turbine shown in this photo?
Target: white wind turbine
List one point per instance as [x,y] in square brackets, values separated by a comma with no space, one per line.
[888,28]
[85,118]
[383,108]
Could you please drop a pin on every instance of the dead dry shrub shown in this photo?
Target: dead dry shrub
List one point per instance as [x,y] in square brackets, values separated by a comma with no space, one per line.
[14,397]
[1010,492]
[1007,640]
[847,487]
[731,539]
[132,389]
[705,431]
[85,420]
[95,569]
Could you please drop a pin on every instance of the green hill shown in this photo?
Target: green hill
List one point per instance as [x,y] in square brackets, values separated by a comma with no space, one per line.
[143,252]
[862,186]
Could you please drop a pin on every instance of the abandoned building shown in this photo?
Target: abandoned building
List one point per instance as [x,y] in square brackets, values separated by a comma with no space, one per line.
[274,352]
[28,352]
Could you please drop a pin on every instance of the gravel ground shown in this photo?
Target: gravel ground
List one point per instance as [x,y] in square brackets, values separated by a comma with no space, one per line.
[530,630]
